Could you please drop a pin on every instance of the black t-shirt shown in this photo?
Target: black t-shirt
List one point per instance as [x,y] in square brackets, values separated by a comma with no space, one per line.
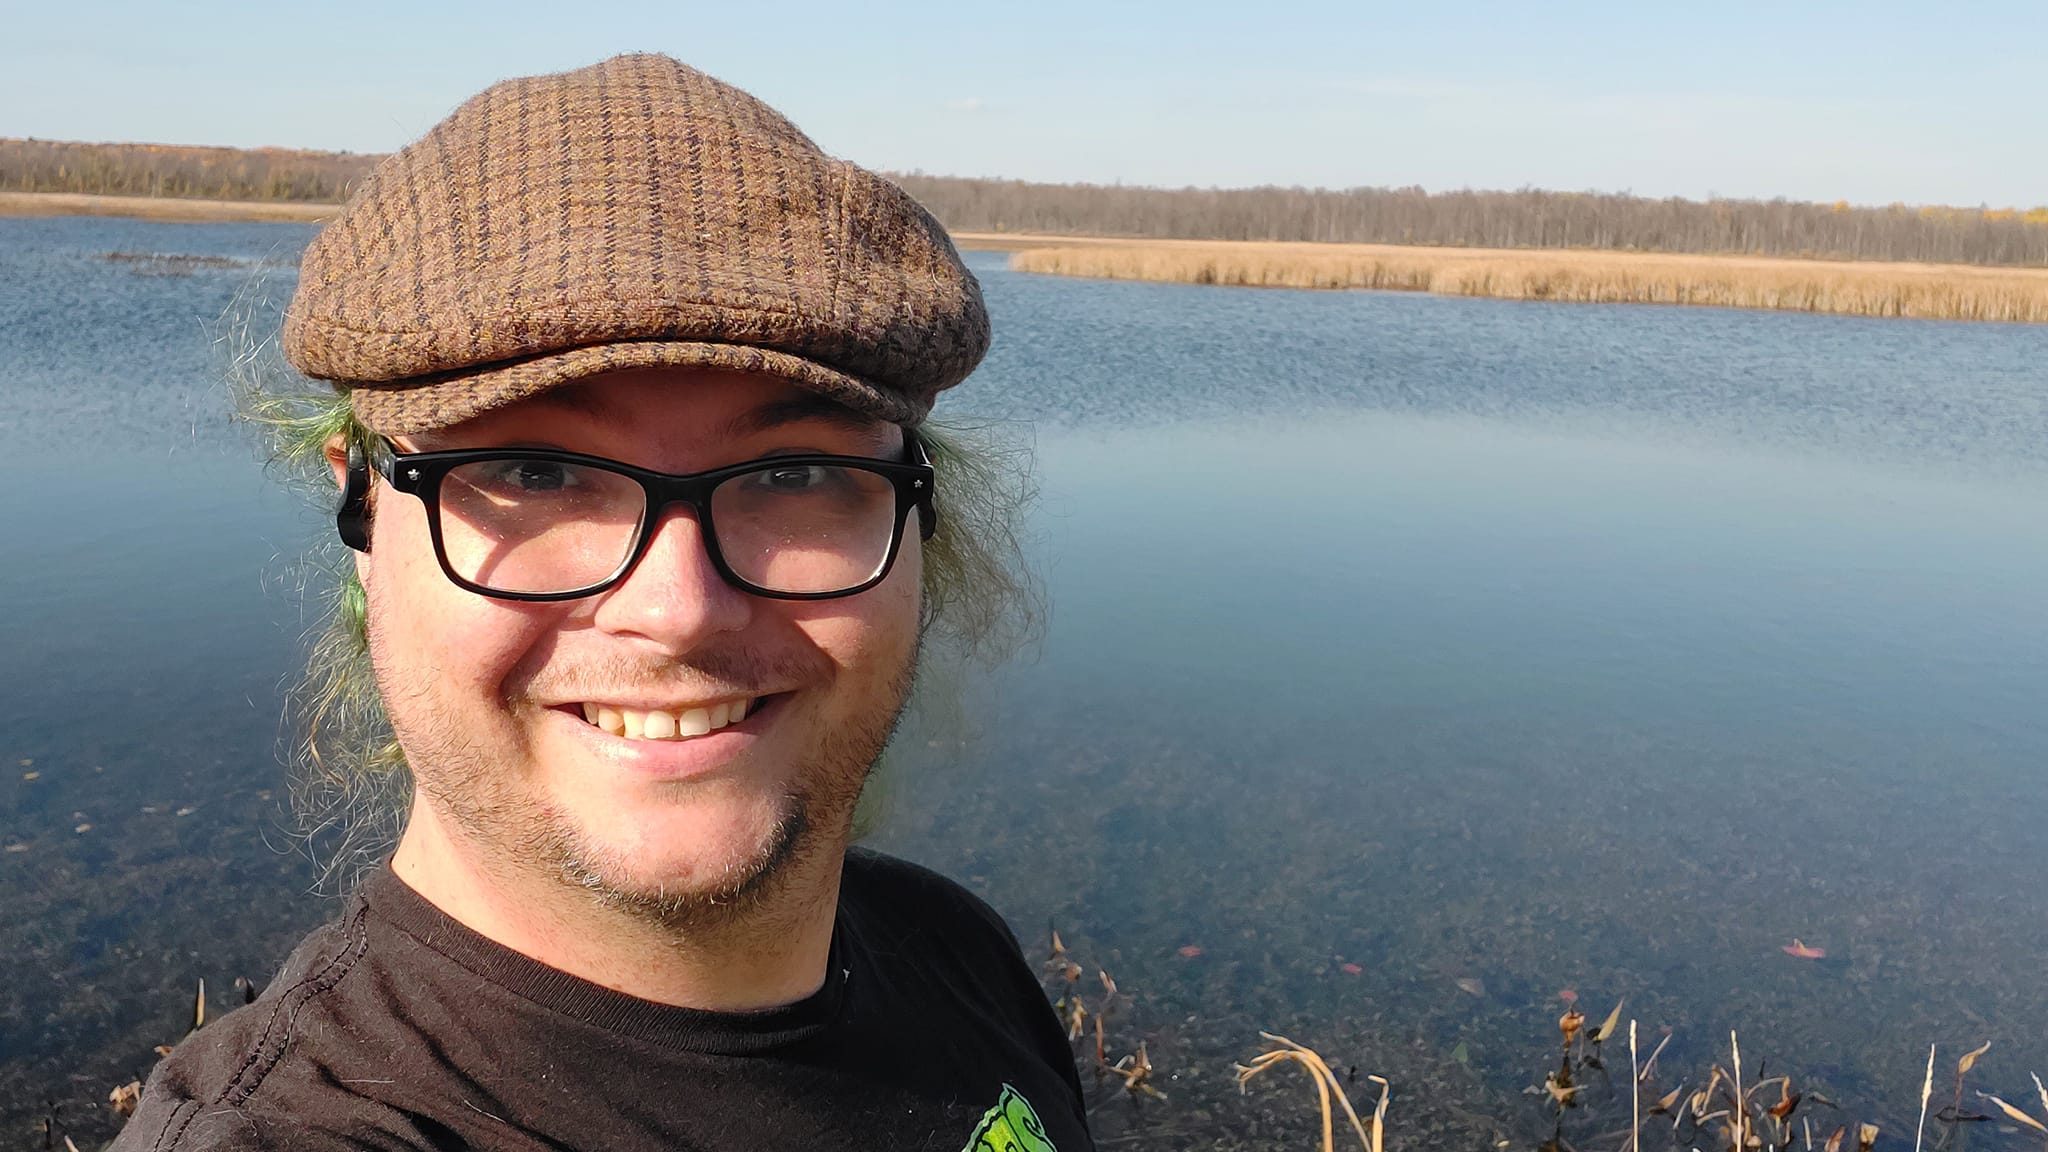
[398,1028]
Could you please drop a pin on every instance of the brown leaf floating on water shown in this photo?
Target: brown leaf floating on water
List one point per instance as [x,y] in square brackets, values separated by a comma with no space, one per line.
[1834,1143]
[1569,1023]
[1670,1098]
[1560,1094]
[1607,1026]
[2015,1113]
[1803,950]
[1866,1135]
[1969,1059]
[124,1099]
[1787,1100]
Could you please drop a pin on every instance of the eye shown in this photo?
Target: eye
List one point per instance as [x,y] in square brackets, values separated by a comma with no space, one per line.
[795,478]
[534,476]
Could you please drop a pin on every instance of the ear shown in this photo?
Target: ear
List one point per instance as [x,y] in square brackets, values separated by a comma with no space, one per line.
[336,452]
[352,475]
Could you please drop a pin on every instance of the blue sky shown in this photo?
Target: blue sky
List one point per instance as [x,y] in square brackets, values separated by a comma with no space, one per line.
[1871,102]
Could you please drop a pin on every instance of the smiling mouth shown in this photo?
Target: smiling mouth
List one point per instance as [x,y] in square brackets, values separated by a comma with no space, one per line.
[682,723]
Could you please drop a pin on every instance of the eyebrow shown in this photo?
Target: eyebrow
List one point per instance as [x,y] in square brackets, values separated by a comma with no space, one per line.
[761,418]
[797,410]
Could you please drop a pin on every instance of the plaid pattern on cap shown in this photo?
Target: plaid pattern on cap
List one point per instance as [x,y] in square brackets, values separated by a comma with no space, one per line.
[634,213]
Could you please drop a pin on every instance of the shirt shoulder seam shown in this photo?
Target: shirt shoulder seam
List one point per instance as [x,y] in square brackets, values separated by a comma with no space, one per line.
[269,1048]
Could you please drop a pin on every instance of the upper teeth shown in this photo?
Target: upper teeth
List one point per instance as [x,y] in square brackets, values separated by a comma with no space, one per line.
[665,724]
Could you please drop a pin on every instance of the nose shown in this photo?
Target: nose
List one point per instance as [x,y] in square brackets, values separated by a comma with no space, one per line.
[674,596]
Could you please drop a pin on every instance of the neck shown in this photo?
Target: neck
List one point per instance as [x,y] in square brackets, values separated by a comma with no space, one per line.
[776,956]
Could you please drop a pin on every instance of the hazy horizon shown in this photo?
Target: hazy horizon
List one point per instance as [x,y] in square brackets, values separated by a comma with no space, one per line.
[1869,103]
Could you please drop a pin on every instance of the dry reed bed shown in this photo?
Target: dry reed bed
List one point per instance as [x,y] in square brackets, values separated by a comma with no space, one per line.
[167,208]
[1923,291]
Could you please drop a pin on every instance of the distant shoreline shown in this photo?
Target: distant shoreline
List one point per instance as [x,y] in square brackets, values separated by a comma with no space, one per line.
[1840,287]
[166,208]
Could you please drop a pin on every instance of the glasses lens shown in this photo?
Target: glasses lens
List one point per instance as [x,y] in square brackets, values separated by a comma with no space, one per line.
[513,524]
[805,527]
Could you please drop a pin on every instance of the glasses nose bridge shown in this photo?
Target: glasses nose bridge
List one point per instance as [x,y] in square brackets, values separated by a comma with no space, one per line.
[665,491]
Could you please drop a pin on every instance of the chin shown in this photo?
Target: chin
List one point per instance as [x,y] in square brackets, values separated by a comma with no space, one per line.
[686,863]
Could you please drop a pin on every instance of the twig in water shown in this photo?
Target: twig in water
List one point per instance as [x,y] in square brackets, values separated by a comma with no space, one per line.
[1651,1066]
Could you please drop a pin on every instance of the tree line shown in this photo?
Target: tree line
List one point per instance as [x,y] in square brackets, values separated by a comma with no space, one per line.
[180,171]
[1528,218]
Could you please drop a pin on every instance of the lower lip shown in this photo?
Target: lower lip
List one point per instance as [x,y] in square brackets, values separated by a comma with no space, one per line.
[682,759]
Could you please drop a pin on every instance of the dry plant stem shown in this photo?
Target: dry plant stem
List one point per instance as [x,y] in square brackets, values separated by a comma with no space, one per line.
[1326,1083]
[1651,1065]
[1268,1059]
[1926,1090]
[1741,1100]
[1635,1072]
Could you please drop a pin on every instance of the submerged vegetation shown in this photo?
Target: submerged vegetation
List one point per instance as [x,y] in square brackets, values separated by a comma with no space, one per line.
[1924,291]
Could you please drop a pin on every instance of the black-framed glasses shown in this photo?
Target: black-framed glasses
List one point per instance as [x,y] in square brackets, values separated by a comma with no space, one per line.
[542,524]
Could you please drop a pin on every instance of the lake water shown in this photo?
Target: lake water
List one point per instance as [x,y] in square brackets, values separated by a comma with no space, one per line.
[1413,659]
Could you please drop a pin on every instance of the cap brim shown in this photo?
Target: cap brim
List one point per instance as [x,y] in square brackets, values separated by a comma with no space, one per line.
[425,403]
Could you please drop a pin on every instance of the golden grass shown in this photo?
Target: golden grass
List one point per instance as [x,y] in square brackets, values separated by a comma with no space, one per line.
[1924,291]
[166,208]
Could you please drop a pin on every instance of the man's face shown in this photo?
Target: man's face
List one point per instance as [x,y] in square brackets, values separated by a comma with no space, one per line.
[489,697]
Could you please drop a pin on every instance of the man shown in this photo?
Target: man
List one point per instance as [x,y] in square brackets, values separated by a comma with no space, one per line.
[642,517]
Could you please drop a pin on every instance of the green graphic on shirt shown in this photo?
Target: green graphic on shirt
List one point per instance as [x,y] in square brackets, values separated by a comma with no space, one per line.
[1010,1126]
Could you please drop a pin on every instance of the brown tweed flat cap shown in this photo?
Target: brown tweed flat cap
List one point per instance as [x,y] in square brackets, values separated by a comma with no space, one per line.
[631,214]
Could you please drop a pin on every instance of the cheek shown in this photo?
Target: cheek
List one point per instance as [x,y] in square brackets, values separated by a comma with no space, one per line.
[875,631]
[432,640]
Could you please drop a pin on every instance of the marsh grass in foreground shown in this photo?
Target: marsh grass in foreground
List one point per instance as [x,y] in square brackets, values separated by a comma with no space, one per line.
[1591,1098]
[1920,291]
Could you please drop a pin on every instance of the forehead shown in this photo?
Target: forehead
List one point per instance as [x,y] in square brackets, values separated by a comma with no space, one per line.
[694,408]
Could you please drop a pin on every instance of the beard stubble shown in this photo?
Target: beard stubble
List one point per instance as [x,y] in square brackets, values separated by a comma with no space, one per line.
[814,815]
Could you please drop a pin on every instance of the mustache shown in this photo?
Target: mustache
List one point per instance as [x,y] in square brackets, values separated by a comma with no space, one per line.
[716,672]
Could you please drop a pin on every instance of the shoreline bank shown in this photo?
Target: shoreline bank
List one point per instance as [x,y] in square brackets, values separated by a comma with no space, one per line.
[164,208]
[1838,287]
